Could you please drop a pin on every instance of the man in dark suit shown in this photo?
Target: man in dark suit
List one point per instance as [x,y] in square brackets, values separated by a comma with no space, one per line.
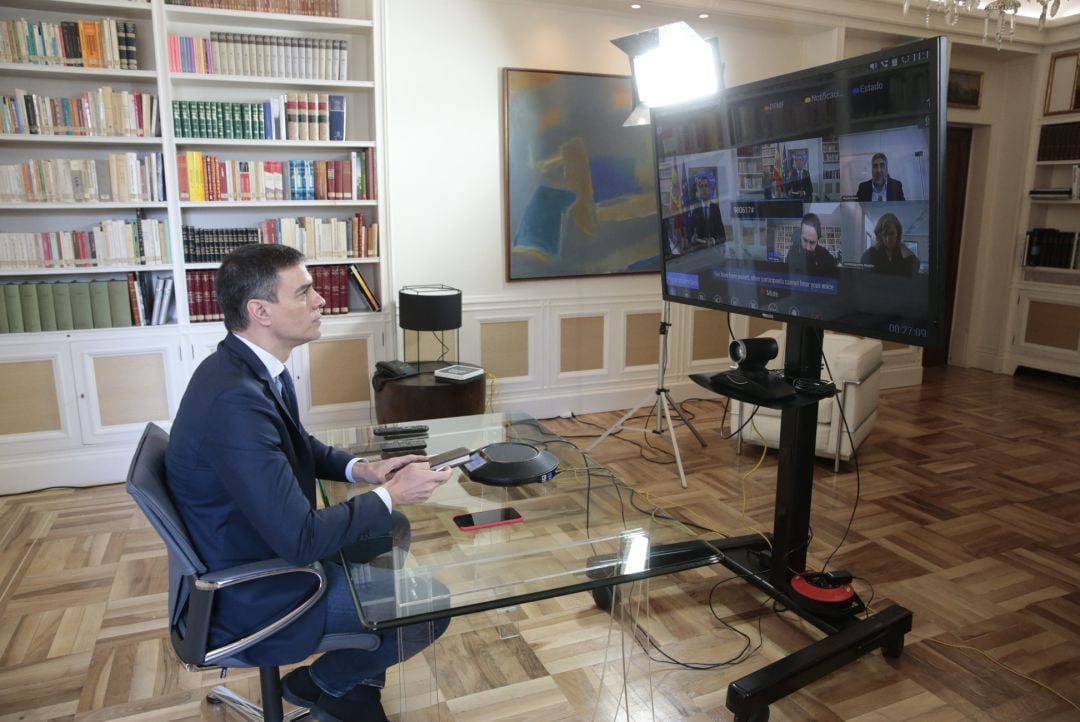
[880,187]
[706,223]
[808,257]
[242,469]
[798,184]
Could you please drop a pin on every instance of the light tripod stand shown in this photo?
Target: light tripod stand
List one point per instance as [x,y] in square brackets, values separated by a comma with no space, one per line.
[662,405]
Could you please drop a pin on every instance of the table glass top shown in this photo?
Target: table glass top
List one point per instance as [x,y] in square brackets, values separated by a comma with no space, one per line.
[580,530]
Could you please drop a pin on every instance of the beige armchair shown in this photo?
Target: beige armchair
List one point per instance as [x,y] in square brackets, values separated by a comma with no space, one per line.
[856,368]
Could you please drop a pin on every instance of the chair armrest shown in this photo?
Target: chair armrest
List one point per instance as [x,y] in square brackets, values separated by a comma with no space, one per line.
[857,361]
[249,572]
[202,599]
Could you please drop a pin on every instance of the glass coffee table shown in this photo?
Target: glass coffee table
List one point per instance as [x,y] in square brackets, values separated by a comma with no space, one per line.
[581,531]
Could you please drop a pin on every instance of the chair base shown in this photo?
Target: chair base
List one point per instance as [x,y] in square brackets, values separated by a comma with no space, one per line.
[246,708]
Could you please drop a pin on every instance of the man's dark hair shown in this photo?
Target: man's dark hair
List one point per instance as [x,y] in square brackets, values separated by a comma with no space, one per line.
[251,272]
[879,155]
[811,219]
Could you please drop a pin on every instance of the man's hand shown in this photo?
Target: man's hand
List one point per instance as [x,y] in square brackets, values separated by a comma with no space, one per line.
[379,472]
[414,483]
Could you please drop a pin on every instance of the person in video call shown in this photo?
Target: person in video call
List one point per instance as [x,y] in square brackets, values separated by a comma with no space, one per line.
[706,224]
[798,184]
[889,254]
[241,469]
[881,186]
[808,257]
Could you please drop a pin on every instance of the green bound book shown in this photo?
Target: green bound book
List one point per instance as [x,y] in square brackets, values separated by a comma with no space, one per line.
[99,304]
[14,308]
[62,306]
[81,315]
[119,304]
[31,318]
[4,328]
[46,306]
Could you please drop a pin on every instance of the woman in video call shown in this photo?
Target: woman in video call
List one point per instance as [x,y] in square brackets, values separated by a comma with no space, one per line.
[808,257]
[889,254]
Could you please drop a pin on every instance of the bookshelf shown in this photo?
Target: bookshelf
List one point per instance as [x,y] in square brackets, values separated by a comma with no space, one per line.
[1045,319]
[100,385]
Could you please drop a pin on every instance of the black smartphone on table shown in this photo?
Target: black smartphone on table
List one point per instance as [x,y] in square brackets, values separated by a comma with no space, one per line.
[489,518]
[450,459]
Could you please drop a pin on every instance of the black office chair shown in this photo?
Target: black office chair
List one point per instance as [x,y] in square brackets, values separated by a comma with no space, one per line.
[192,588]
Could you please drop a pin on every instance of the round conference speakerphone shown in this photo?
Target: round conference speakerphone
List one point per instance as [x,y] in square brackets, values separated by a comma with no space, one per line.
[510,463]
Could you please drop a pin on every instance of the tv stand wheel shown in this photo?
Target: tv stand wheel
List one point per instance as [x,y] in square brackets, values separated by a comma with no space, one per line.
[762,715]
[605,597]
[894,647]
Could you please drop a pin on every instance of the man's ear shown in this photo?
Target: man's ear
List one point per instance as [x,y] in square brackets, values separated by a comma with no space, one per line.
[258,311]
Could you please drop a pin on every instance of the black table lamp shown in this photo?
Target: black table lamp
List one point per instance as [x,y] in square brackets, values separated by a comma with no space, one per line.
[435,308]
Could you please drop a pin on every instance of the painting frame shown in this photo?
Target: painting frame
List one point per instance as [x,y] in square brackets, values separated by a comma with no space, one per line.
[567,182]
[965,89]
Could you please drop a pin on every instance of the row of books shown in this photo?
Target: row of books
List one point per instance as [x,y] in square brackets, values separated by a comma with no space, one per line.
[320,8]
[121,178]
[104,43]
[205,177]
[331,282]
[139,300]
[113,242]
[1060,141]
[101,112]
[1051,248]
[289,116]
[264,56]
[316,238]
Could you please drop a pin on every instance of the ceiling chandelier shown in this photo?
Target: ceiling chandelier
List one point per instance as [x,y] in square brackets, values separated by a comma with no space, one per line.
[1000,13]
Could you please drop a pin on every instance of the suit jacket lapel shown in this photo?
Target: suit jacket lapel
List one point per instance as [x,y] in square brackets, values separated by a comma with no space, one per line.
[258,368]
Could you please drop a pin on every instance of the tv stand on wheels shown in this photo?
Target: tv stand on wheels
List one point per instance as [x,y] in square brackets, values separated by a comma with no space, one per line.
[772,565]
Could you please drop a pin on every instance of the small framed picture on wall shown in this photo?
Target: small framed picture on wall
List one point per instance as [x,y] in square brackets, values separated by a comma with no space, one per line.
[965,89]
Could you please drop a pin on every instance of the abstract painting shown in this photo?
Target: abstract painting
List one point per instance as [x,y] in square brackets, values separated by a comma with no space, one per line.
[580,188]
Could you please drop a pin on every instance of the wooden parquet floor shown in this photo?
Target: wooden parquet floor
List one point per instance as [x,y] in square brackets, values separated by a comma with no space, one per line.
[969,516]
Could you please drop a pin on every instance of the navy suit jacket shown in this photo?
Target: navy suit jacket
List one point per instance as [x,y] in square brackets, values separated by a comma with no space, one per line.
[894,190]
[242,473]
[713,227]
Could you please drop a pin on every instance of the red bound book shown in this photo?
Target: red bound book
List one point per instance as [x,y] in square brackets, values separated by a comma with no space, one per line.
[221,181]
[343,287]
[346,180]
[182,176]
[192,296]
[331,180]
[215,307]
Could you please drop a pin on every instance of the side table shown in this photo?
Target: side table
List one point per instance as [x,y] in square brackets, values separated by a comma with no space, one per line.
[425,397]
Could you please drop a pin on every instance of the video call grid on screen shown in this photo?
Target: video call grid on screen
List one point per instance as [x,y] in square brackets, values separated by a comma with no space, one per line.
[738,218]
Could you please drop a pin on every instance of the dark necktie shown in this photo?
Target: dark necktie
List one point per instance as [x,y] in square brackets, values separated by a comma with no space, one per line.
[288,394]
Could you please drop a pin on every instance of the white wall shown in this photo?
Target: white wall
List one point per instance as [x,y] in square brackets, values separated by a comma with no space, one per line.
[444,67]
[444,63]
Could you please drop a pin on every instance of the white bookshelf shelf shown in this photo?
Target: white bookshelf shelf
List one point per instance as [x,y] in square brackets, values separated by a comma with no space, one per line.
[276,204]
[1048,202]
[244,143]
[64,72]
[113,8]
[80,271]
[243,19]
[212,265]
[77,139]
[1058,162]
[216,79]
[77,207]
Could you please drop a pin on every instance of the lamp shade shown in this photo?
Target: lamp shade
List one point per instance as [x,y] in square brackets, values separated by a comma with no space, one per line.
[429,308]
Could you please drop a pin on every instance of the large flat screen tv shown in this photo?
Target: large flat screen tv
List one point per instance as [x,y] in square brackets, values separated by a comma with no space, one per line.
[813,197]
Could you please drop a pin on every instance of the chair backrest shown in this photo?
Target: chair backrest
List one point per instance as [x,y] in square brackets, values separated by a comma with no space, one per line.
[146,485]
